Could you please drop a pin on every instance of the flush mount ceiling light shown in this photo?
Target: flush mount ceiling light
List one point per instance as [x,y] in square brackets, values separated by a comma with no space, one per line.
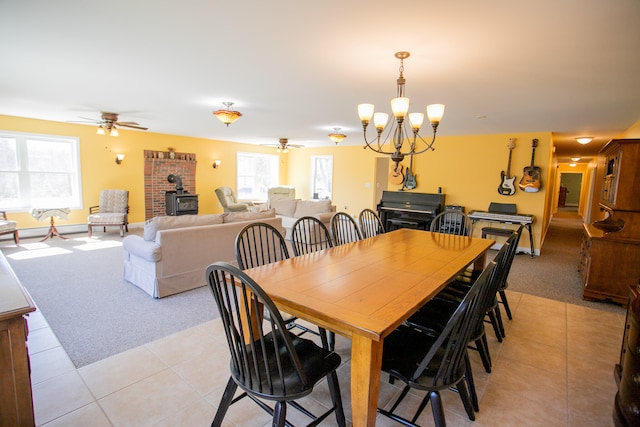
[227,116]
[575,159]
[584,139]
[336,136]
[400,109]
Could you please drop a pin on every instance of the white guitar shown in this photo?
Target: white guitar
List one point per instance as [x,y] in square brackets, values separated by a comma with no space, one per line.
[507,187]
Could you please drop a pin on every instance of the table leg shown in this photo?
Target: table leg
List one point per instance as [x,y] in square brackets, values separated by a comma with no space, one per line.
[530,238]
[366,361]
[53,231]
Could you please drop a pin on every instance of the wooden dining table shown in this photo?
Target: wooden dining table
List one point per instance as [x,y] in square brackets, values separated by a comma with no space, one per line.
[364,290]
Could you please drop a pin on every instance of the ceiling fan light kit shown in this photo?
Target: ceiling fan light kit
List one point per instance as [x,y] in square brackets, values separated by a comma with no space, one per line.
[400,109]
[227,115]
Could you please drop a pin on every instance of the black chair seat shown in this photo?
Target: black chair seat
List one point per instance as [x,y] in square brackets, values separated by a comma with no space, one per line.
[316,363]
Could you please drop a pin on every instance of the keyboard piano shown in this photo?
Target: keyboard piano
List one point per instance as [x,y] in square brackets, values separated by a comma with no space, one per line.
[508,217]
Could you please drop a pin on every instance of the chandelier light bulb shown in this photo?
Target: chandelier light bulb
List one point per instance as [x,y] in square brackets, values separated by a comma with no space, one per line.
[416,120]
[435,112]
[400,107]
[380,120]
[365,111]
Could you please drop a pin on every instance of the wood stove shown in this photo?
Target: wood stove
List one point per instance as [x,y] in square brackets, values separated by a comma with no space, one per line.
[181,203]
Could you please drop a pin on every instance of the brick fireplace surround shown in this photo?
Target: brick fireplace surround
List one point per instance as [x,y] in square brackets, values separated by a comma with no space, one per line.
[157,166]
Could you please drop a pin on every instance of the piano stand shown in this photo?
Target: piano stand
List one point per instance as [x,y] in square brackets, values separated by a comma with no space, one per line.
[506,232]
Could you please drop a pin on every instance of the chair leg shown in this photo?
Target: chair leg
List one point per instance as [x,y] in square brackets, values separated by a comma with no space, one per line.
[227,398]
[438,410]
[336,398]
[16,238]
[121,231]
[280,414]
[90,230]
[471,385]
[494,322]
[505,303]
[498,313]
[483,348]
[464,395]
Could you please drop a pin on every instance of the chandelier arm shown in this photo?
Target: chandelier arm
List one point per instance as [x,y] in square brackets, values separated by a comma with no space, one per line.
[429,145]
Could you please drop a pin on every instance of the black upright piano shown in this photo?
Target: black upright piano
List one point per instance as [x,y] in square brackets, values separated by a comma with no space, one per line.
[404,209]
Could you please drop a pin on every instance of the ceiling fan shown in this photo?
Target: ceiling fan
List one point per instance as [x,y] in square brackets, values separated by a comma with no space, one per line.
[108,123]
[283,145]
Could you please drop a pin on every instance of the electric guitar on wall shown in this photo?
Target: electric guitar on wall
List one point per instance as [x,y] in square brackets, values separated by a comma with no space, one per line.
[530,182]
[506,187]
[396,177]
[410,181]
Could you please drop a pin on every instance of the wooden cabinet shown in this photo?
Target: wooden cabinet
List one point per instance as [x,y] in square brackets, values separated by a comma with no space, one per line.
[611,244]
[607,266]
[16,404]
[627,372]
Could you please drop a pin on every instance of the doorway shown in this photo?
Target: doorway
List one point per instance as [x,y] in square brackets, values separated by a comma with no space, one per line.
[569,194]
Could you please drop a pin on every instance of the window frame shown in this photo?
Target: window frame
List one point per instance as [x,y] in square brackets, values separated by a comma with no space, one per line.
[27,200]
[314,162]
[270,181]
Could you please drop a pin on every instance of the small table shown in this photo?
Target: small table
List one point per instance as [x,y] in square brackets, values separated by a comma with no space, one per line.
[43,213]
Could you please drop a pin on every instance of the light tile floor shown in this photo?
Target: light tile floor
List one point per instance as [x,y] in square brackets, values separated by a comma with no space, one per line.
[555,368]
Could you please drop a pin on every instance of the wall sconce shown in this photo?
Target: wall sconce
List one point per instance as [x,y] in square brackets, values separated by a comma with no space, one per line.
[119,158]
[216,164]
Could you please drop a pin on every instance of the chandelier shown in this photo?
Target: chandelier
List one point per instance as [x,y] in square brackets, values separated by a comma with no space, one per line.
[227,116]
[400,110]
[336,136]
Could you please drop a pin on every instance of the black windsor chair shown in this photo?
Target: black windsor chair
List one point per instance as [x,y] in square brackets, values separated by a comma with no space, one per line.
[260,243]
[344,229]
[435,362]
[370,223]
[452,222]
[267,361]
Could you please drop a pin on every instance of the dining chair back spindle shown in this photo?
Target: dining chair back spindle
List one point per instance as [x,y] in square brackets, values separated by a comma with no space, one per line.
[344,229]
[309,234]
[370,223]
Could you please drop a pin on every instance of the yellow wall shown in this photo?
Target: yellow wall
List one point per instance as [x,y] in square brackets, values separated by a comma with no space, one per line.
[99,170]
[466,167]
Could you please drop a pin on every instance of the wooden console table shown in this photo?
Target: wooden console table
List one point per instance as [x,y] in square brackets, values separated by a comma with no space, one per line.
[16,403]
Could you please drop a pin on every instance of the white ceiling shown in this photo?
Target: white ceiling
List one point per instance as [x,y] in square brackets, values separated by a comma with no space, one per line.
[297,69]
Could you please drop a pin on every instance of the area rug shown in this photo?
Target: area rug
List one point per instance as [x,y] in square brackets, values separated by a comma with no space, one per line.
[77,285]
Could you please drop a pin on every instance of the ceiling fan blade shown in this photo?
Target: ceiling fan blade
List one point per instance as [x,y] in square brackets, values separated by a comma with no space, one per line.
[127,123]
[130,126]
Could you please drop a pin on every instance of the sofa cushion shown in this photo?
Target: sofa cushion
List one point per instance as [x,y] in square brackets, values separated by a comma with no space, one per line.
[248,216]
[153,225]
[284,207]
[311,207]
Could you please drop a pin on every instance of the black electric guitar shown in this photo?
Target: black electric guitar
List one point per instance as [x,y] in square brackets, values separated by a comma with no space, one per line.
[410,180]
[530,182]
[506,187]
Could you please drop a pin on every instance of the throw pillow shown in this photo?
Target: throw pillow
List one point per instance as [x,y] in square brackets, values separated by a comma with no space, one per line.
[248,216]
[262,207]
[153,225]
[284,207]
[312,207]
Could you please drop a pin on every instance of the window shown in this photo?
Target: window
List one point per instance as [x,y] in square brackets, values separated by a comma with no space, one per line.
[39,171]
[256,174]
[321,176]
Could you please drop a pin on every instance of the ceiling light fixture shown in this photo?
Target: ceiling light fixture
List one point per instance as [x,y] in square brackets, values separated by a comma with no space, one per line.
[584,139]
[101,130]
[114,131]
[575,159]
[227,116]
[283,148]
[336,136]
[400,109]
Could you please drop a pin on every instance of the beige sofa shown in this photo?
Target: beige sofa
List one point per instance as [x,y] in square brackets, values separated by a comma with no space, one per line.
[175,251]
[292,209]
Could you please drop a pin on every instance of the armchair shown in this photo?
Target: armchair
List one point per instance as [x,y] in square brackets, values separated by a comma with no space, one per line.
[229,201]
[112,211]
[9,227]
